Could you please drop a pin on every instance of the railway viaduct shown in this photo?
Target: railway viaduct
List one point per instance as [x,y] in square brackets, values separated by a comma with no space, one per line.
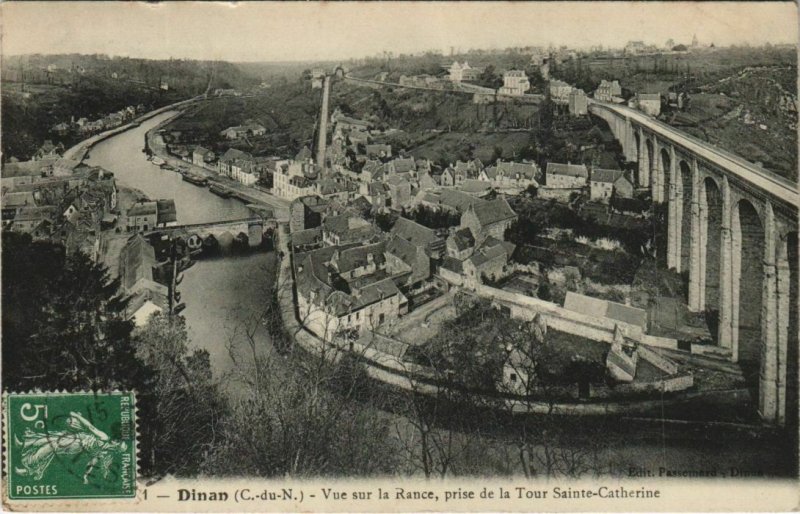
[732,226]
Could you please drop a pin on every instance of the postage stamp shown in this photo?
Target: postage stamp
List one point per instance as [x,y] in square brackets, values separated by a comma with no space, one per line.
[70,445]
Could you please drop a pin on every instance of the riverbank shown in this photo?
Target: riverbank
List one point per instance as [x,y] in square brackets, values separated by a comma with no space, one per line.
[241,192]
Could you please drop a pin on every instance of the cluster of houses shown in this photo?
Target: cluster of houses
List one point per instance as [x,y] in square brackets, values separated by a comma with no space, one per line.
[74,208]
[351,276]
[84,126]
[68,209]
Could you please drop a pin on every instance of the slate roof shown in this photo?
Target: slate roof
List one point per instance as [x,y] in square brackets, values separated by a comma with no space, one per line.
[413,232]
[137,259]
[511,169]
[474,186]
[490,250]
[649,97]
[402,165]
[607,176]
[20,199]
[357,256]
[307,236]
[463,239]
[457,199]
[493,211]
[233,154]
[35,213]
[143,209]
[402,249]
[570,170]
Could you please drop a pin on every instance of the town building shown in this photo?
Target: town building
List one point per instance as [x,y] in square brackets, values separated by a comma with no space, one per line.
[307,212]
[377,151]
[559,92]
[462,72]
[408,263]
[488,260]
[341,290]
[603,183]
[203,157]
[347,228]
[608,91]
[460,244]
[566,176]
[488,218]
[142,217]
[146,297]
[250,128]
[420,236]
[578,103]
[648,103]
[294,179]
[515,83]
[511,175]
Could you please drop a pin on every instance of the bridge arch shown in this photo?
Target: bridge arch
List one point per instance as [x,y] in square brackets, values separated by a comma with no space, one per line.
[650,180]
[684,219]
[711,223]
[748,245]
[664,172]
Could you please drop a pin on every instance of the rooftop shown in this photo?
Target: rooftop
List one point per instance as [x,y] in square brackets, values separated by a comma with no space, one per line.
[570,170]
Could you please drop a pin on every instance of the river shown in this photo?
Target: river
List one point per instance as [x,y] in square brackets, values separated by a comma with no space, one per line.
[223,296]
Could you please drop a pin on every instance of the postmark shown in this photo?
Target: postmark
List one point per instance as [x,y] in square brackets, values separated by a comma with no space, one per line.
[70,445]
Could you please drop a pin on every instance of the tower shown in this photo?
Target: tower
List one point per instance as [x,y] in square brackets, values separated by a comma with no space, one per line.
[323,123]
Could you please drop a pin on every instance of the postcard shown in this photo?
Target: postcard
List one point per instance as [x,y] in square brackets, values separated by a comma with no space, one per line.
[399,256]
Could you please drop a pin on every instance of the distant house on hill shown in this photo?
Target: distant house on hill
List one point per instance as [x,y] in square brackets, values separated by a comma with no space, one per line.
[49,151]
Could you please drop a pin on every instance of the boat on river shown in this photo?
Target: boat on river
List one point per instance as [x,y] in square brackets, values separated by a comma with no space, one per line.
[158,161]
[195,179]
[219,191]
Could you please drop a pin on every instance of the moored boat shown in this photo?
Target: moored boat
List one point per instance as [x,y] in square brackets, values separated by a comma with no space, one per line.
[195,179]
[219,191]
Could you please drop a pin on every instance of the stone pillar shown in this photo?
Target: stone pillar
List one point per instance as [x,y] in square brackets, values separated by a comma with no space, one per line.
[782,326]
[644,161]
[725,275]
[695,265]
[674,222]
[629,147]
[736,277]
[768,378]
[657,179]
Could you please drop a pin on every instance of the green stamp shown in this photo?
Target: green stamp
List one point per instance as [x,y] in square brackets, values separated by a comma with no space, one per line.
[70,445]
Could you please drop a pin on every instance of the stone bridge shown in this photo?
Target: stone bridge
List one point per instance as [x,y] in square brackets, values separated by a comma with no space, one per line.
[223,231]
[732,227]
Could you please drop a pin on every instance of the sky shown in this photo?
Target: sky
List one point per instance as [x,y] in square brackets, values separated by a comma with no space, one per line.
[299,31]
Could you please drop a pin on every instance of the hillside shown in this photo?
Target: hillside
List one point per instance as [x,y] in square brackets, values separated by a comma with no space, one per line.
[39,92]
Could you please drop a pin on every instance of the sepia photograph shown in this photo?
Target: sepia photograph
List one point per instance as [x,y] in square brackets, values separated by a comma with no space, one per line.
[399,256]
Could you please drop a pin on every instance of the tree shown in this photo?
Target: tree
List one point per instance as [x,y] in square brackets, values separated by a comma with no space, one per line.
[489,78]
[63,322]
[188,405]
